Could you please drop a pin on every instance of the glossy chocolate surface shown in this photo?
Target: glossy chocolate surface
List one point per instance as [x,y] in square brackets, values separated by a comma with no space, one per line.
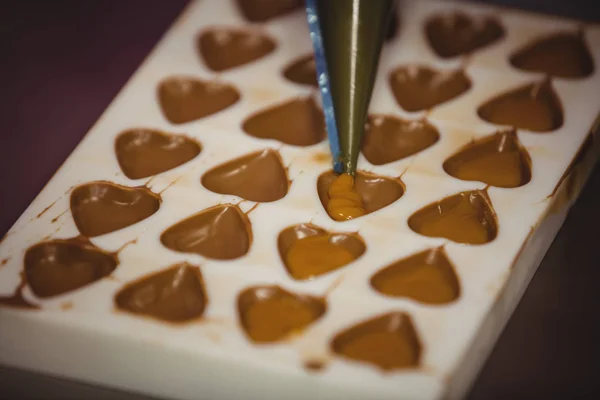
[102,207]
[264,10]
[258,176]
[146,152]
[302,71]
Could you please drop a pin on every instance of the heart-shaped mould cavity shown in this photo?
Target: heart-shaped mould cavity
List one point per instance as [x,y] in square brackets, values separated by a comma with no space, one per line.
[258,176]
[466,217]
[102,207]
[269,313]
[418,88]
[223,48]
[147,152]
[376,191]
[221,232]
[264,10]
[427,277]
[564,55]
[456,33]
[302,71]
[534,107]
[59,266]
[388,342]
[308,251]
[185,99]
[388,139]
[297,122]
[498,160]
[175,294]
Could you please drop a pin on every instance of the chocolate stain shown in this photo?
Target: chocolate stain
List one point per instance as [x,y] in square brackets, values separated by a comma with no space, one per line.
[46,209]
[308,251]
[185,99]
[562,55]
[427,277]
[102,207]
[17,300]
[142,153]
[59,266]
[221,232]
[466,217]
[307,129]
[388,139]
[375,191]
[534,107]
[5,261]
[314,365]
[258,176]
[270,314]
[388,342]
[302,71]
[264,10]
[457,33]
[55,219]
[418,88]
[498,160]
[66,306]
[175,294]
[223,48]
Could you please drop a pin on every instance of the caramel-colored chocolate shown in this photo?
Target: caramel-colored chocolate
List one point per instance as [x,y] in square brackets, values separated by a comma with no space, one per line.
[222,232]
[534,107]
[102,207]
[302,71]
[388,139]
[264,10]
[344,202]
[562,55]
[185,99]
[269,313]
[308,251]
[298,122]
[388,342]
[466,217]
[223,48]
[418,88]
[258,176]
[17,300]
[59,266]
[456,33]
[175,294]
[427,277]
[498,160]
[146,152]
[375,191]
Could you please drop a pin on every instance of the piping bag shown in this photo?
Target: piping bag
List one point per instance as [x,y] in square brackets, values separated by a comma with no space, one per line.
[347,37]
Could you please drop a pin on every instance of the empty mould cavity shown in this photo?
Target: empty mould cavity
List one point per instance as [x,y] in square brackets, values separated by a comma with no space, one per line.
[222,232]
[175,294]
[270,314]
[146,152]
[223,48]
[388,139]
[375,191]
[456,33]
[302,71]
[102,207]
[297,122]
[498,160]
[258,176]
[308,251]
[466,217]
[427,277]
[184,99]
[564,55]
[388,342]
[534,107]
[59,266]
[418,88]
[264,10]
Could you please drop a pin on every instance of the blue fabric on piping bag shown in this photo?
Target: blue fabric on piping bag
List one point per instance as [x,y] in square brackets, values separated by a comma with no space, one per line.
[323,80]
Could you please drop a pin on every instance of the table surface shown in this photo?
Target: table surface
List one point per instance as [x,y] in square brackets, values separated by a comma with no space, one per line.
[65,60]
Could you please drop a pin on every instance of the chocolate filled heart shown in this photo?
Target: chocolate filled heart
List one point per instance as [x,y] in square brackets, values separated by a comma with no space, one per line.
[102,207]
[302,71]
[264,10]
[146,152]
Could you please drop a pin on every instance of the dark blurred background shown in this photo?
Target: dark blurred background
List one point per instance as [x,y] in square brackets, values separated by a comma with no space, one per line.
[63,61]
